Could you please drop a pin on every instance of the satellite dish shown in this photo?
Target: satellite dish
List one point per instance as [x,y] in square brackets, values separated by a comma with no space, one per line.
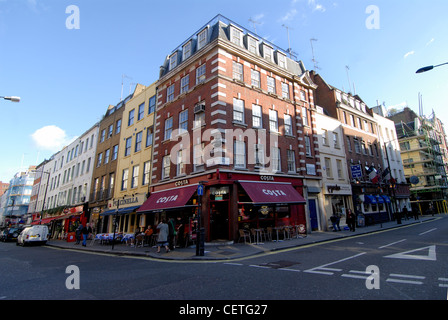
[414,180]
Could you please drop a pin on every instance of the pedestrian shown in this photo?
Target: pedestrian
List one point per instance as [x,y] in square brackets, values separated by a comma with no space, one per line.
[162,239]
[351,220]
[85,234]
[180,230]
[78,234]
[334,220]
[171,233]
[431,209]
[416,213]
[405,213]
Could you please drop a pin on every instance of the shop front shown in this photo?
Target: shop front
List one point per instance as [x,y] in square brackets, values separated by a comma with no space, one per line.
[231,201]
[124,212]
[338,199]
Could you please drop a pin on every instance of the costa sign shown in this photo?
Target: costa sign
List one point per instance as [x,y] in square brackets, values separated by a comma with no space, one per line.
[167,199]
[276,193]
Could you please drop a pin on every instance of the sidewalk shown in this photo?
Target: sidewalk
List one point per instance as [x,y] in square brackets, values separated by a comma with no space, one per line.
[228,250]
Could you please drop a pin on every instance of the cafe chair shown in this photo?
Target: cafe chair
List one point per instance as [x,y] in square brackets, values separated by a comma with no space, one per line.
[244,234]
[139,240]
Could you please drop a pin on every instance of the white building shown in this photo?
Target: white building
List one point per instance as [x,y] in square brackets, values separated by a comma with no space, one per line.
[336,187]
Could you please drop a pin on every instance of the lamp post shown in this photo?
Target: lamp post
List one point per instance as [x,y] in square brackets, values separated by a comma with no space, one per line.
[200,233]
[429,68]
[12,98]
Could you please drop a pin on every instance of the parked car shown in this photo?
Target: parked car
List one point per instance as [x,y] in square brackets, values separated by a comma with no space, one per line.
[33,235]
[10,234]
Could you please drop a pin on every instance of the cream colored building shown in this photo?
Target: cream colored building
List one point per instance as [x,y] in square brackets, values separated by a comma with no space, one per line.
[336,187]
[134,165]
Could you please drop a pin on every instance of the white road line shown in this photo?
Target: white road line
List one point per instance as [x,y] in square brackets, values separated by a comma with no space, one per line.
[420,234]
[358,274]
[286,269]
[405,276]
[233,264]
[325,269]
[257,266]
[391,244]
[443,285]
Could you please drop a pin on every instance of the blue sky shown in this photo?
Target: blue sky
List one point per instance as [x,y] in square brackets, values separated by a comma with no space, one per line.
[67,77]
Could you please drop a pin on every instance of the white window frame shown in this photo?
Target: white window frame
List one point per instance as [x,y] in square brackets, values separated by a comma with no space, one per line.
[170,93]
[180,165]
[134,180]
[288,124]
[252,44]
[183,121]
[238,110]
[166,163]
[185,84]
[281,59]
[202,38]
[168,128]
[307,146]
[273,120]
[173,61]
[238,71]
[276,159]
[271,85]
[236,36]
[186,50]
[291,156]
[200,74]
[257,116]
[255,79]
[239,150]
[285,90]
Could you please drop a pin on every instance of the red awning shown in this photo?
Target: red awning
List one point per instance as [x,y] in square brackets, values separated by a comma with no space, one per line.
[269,193]
[168,199]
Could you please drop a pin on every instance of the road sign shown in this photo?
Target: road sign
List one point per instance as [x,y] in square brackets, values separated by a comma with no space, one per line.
[200,190]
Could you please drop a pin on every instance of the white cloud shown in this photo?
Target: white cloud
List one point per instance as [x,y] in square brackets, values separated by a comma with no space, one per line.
[430,41]
[51,138]
[316,6]
[409,54]
[289,15]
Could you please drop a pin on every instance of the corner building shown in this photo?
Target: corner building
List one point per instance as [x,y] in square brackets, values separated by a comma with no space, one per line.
[234,114]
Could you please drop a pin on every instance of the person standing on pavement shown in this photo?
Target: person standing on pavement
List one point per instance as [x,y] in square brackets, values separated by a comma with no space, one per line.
[335,221]
[162,239]
[85,234]
[78,234]
[351,220]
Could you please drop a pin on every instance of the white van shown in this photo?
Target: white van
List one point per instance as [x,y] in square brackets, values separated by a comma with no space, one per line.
[34,234]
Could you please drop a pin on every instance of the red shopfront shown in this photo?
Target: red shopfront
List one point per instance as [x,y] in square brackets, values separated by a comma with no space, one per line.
[231,201]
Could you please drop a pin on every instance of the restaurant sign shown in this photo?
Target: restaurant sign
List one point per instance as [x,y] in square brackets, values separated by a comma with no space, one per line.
[125,202]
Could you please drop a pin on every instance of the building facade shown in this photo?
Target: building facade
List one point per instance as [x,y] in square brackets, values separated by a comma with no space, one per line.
[134,166]
[233,114]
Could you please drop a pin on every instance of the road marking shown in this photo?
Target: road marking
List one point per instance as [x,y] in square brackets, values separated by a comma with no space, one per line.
[443,285]
[391,244]
[286,269]
[405,281]
[431,256]
[258,266]
[358,274]
[233,264]
[420,234]
[330,271]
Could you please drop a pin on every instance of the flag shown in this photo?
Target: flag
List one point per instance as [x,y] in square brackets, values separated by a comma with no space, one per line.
[374,175]
[386,174]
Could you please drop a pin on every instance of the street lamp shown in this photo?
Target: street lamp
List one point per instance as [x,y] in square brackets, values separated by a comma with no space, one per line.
[12,98]
[429,68]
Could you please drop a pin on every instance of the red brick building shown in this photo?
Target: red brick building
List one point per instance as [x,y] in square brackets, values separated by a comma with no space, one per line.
[234,113]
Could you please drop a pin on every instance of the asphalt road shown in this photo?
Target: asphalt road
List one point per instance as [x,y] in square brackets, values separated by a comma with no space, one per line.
[409,263]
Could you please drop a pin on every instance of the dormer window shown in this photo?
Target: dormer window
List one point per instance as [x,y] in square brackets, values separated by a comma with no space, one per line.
[281,59]
[186,50]
[173,61]
[236,36]
[252,44]
[202,38]
[267,52]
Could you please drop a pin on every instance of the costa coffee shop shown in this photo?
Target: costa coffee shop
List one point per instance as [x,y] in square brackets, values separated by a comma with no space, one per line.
[231,201]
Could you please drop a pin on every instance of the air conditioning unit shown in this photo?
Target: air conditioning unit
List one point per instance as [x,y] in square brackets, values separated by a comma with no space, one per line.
[199,108]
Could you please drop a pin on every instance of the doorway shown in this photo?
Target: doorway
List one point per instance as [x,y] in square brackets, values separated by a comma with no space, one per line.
[219,220]
[314,220]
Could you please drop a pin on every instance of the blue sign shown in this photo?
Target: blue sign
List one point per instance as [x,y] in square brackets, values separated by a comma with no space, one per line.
[356,171]
[200,190]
